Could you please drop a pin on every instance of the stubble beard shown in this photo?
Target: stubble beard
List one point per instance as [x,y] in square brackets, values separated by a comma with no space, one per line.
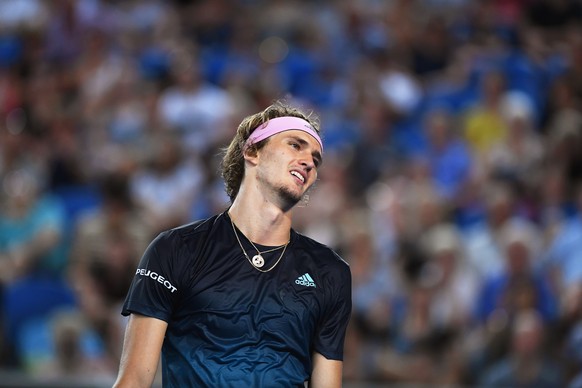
[285,196]
[288,198]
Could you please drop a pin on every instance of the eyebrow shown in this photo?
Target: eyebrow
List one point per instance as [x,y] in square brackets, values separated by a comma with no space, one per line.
[316,154]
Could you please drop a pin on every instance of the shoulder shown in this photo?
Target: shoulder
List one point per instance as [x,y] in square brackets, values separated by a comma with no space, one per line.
[177,250]
[194,228]
[186,236]
[322,253]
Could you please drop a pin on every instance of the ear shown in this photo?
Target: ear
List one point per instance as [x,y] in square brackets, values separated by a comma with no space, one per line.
[251,155]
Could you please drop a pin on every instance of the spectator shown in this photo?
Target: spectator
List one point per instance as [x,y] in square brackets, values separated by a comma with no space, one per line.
[519,156]
[71,353]
[31,228]
[106,249]
[456,283]
[448,155]
[484,126]
[188,105]
[526,364]
[168,184]
[519,286]
[565,247]
[483,240]
[32,258]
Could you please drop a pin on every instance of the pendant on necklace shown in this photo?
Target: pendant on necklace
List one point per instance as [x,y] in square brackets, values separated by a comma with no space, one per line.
[258,261]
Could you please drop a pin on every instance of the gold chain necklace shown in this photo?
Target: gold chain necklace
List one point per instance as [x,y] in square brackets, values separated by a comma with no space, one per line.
[257,262]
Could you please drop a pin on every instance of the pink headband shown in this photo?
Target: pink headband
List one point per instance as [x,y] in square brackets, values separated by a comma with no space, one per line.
[281,124]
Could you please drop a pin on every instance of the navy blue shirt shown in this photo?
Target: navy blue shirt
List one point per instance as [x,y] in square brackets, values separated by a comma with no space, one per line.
[232,325]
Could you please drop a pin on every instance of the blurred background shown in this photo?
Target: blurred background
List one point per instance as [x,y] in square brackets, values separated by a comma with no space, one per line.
[452,181]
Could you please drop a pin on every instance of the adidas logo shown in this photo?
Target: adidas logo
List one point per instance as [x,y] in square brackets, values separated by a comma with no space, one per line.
[305,280]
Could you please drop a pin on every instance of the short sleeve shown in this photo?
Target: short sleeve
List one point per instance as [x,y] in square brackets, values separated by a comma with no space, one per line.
[155,287]
[330,335]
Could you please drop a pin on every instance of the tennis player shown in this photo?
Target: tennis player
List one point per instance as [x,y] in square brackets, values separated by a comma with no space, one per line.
[241,299]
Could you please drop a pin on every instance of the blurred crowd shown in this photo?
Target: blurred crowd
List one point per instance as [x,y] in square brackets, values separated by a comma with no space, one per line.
[452,180]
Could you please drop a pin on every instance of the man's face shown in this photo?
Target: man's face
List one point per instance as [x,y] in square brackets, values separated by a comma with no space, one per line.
[288,164]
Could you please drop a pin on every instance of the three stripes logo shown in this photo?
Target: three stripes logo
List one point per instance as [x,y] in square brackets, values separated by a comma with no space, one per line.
[305,280]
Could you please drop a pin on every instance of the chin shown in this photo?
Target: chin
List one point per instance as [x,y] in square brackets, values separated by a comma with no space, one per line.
[289,197]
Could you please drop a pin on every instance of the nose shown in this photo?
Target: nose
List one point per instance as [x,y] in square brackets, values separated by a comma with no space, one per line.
[308,163]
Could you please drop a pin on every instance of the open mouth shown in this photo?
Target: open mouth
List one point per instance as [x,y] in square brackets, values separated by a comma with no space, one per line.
[298,176]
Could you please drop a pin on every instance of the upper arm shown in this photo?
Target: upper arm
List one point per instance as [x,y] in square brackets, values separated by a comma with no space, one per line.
[326,373]
[141,351]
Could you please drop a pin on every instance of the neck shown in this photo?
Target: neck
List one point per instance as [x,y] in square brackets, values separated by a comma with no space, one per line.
[261,221]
